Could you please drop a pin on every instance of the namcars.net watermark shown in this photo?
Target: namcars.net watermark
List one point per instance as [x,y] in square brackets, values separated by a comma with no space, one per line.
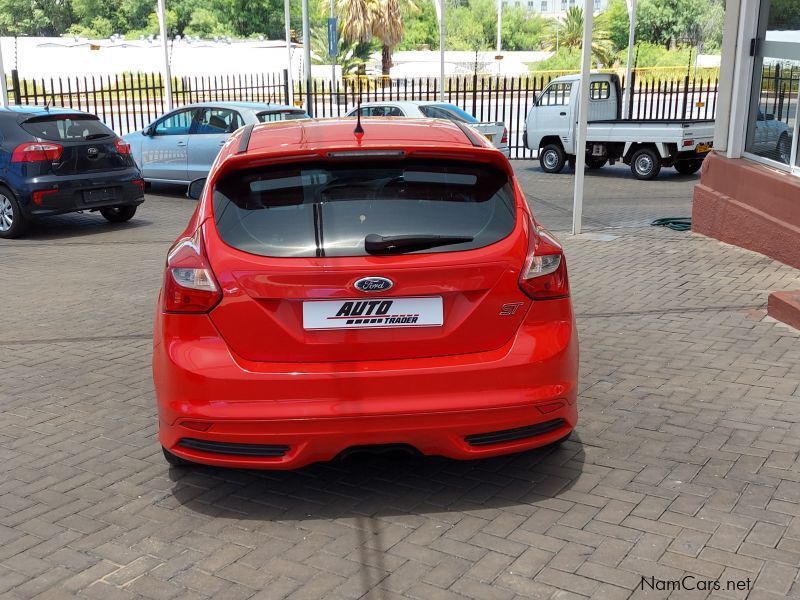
[690,583]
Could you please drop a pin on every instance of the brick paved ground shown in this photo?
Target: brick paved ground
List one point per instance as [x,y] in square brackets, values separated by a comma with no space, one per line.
[685,462]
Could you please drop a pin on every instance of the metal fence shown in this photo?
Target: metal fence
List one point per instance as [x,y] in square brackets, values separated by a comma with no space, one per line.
[128,102]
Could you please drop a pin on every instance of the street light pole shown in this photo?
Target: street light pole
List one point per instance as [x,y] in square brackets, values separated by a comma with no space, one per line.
[3,84]
[162,26]
[288,28]
[583,110]
[307,57]
[441,49]
[628,70]
[499,26]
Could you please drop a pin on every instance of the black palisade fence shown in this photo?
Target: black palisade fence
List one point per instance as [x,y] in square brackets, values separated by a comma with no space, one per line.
[127,102]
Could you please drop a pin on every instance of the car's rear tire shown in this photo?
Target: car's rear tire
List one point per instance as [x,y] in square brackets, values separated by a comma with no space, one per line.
[645,164]
[175,461]
[688,167]
[118,214]
[552,158]
[12,222]
[596,163]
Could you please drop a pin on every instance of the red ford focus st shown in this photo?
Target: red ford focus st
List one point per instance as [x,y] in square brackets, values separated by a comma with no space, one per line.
[337,290]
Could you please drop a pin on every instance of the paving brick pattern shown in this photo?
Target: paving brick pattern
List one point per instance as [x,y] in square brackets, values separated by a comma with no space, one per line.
[685,461]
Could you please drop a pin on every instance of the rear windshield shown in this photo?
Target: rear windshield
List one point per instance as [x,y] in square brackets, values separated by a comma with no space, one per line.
[281,115]
[65,128]
[329,209]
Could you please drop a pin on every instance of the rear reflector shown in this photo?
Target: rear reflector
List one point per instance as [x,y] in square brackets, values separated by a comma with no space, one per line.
[268,450]
[688,143]
[35,152]
[139,183]
[511,435]
[39,195]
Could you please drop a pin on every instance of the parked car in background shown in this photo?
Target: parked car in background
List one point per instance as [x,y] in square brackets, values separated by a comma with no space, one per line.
[180,146]
[495,132]
[771,137]
[55,161]
[334,291]
[645,145]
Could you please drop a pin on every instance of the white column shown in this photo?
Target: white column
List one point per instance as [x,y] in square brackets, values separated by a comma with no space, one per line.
[3,84]
[583,113]
[287,27]
[628,72]
[162,26]
[441,49]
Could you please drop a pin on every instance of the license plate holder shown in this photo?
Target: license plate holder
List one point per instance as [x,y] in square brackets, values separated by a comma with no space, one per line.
[100,195]
[373,313]
[703,148]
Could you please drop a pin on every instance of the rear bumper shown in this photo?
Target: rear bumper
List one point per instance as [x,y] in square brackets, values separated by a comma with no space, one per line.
[317,410]
[68,193]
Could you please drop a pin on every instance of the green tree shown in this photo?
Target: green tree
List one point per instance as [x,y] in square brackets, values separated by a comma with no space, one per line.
[522,29]
[35,17]
[616,21]
[667,23]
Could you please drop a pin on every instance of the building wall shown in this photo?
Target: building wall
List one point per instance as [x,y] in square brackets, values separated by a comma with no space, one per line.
[554,8]
[748,195]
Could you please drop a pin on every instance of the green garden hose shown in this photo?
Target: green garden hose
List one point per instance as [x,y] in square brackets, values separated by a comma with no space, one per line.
[674,223]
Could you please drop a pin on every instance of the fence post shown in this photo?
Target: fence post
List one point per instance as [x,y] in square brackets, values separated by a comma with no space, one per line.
[15,87]
[474,91]
[286,87]
[685,96]
[630,100]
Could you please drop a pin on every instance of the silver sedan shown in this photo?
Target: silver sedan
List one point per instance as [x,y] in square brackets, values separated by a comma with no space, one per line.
[180,145]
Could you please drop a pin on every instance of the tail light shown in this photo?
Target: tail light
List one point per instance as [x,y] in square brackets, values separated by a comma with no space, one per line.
[504,139]
[189,283]
[688,143]
[544,276]
[36,152]
[139,183]
[122,146]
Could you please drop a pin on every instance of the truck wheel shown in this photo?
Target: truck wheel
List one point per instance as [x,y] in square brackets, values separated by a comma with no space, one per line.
[688,167]
[645,164]
[552,158]
[596,163]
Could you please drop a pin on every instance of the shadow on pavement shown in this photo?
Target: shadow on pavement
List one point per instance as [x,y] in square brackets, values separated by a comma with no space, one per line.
[381,485]
[73,225]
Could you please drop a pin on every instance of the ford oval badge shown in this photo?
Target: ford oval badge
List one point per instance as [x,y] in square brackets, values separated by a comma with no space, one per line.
[373,284]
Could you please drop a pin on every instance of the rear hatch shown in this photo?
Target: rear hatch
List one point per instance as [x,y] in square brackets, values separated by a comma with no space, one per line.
[389,259]
[87,144]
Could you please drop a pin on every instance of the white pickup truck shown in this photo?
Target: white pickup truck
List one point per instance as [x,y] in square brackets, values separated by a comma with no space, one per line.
[645,145]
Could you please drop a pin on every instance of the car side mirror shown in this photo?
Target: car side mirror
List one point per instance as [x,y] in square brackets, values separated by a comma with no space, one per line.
[147,131]
[195,189]
[769,117]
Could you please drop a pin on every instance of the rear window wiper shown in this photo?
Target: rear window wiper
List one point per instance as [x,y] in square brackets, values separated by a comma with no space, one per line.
[397,244]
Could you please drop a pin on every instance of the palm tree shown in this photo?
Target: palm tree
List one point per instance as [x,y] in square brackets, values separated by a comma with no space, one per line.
[348,57]
[382,19]
[356,17]
[569,34]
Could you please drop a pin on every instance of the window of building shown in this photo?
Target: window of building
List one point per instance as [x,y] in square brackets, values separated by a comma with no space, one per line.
[563,4]
[772,124]
[543,8]
[597,4]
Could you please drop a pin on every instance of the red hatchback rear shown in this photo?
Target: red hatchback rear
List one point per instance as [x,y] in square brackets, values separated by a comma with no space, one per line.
[335,290]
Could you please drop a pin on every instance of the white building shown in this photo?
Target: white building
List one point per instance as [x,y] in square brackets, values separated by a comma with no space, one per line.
[554,8]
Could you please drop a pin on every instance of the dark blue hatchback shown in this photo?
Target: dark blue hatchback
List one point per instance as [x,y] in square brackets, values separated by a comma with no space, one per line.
[55,161]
